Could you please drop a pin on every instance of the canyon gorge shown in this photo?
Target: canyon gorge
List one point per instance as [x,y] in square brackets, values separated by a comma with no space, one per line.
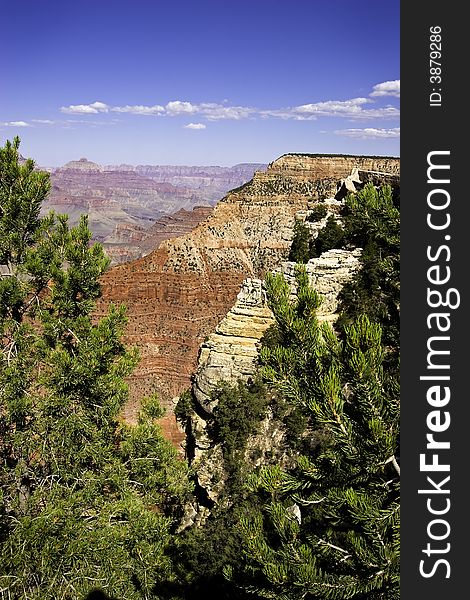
[131,209]
[178,295]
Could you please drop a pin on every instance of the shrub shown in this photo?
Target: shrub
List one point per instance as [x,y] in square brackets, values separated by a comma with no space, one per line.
[299,251]
[184,408]
[331,236]
[239,410]
[318,212]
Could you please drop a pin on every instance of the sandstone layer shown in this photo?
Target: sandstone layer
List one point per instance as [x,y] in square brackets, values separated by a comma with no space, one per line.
[230,352]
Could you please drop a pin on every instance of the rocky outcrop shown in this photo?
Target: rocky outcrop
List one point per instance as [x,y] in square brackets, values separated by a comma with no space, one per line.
[327,274]
[83,165]
[230,352]
[177,295]
[336,166]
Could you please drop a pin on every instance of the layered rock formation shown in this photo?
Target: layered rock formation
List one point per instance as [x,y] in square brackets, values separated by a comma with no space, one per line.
[230,352]
[212,182]
[331,166]
[129,242]
[123,202]
[327,274]
[178,294]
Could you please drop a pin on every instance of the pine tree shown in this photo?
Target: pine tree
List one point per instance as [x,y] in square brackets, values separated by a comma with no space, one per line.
[85,500]
[299,251]
[329,527]
[372,222]
[330,236]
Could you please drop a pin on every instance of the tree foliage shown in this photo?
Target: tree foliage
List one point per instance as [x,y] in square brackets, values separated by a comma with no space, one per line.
[372,222]
[299,251]
[318,212]
[329,237]
[86,501]
[236,416]
[329,527]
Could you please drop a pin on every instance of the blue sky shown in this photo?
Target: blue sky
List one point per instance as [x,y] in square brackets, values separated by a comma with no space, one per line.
[197,83]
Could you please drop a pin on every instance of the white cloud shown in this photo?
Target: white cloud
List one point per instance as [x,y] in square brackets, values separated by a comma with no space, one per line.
[370,133]
[43,121]
[387,88]
[100,106]
[85,109]
[140,109]
[177,107]
[217,112]
[15,124]
[78,109]
[210,110]
[354,108]
[333,107]
[195,126]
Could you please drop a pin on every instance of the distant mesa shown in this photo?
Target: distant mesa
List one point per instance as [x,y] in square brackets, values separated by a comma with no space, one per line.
[83,164]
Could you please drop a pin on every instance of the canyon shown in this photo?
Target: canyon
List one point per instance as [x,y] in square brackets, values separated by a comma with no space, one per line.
[177,295]
[132,209]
